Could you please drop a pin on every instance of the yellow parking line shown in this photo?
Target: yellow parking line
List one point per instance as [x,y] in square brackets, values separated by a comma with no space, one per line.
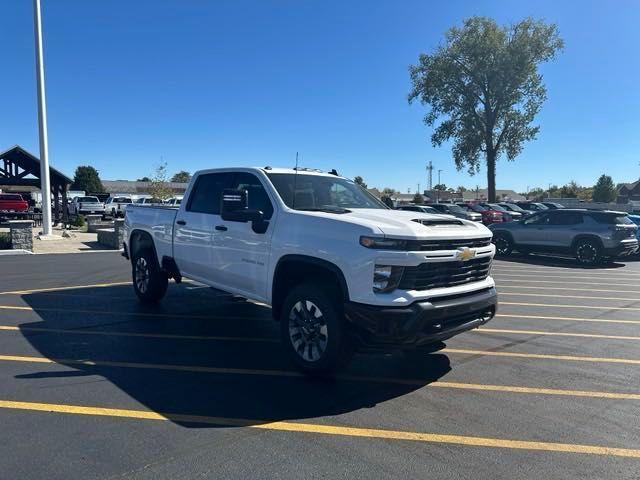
[541,356]
[591,272]
[538,287]
[554,295]
[571,319]
[346,377]
[564,277]
[131,314]
[608,284]
[336,430]
[553,305]
[556,334]
[53,289]
[135,334]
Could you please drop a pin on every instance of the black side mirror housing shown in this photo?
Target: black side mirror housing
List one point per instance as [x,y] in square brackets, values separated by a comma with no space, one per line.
[234,207]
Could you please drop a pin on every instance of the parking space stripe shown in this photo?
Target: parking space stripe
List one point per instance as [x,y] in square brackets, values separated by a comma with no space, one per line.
[554,334]
[553,295]
[53,289]
[135,334]
[345,377]
[541,356]
[566,319]
[554,305]
[336,430]
[131,314]
[538,287]
[600,273]
[606,279]
[608,284]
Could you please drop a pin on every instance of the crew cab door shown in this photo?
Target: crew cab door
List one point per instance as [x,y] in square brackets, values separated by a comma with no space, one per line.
[244,247]
[194,246]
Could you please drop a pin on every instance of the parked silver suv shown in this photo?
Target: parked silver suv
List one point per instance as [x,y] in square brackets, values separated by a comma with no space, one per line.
[590,236]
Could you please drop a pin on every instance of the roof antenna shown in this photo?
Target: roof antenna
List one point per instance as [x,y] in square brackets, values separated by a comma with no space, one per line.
[295,181]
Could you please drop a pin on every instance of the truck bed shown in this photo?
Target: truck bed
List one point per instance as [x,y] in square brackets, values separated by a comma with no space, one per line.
[157,220]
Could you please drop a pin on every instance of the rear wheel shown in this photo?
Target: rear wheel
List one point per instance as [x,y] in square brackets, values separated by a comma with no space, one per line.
[150,282]
[588,252]
[312,329]
[504,244]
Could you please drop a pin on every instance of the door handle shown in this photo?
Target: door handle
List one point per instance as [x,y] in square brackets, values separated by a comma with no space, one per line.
[221,228]
[181,222]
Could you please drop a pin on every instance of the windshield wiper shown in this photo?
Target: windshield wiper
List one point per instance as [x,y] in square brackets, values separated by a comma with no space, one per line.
[325,209]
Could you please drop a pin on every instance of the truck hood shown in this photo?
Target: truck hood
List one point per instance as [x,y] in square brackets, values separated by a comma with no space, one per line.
[406,225]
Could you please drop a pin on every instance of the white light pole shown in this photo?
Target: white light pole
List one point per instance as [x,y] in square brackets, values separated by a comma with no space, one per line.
[45,183]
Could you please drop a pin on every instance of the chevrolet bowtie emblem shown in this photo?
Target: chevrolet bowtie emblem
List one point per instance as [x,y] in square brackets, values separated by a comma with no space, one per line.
[465,253]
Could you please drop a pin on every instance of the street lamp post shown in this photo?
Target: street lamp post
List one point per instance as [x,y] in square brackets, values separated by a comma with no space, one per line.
[45,182]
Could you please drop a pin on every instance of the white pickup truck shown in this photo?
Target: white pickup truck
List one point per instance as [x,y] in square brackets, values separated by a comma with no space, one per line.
[341,271]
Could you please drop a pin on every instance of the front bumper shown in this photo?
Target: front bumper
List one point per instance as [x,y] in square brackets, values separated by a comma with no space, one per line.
[381,328]
[624,248]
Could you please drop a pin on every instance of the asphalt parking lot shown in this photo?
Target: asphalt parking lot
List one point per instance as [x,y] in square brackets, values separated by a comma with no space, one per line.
[95,385]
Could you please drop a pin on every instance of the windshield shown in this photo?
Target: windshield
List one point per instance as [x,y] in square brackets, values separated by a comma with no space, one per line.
[319,192]
[495,206]
[8,196]
[88,199]
[515,207]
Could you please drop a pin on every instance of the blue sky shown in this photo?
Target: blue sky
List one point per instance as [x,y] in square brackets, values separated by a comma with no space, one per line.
[218,83]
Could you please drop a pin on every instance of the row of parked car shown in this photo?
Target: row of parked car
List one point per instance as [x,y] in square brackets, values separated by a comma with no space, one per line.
[114,206]
[591,236]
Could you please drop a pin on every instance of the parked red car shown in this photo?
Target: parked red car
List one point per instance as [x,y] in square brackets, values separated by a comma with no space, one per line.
[12,202]
[489,215]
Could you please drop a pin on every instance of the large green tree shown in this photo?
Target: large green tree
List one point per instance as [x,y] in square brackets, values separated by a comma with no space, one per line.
[360,181]
[87,178]
[604,190]
[181,177]
[484,85]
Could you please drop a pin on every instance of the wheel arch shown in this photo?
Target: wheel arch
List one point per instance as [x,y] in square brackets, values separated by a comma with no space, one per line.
[294,269]
[138,240]
[586,236]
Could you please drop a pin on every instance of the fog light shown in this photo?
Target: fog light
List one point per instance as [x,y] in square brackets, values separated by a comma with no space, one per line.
[386,278]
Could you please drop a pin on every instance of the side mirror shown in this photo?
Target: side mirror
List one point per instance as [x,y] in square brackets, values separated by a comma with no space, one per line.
[234,207]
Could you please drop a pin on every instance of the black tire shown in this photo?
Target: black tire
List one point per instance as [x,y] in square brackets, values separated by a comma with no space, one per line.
[150,282]
[503,243]
[312,329]
[588,252]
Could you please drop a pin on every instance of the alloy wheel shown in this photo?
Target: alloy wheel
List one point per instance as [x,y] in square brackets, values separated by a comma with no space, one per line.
[142,274]
[308,330]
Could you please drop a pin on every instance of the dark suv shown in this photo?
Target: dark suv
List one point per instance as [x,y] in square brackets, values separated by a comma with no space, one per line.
[589,236]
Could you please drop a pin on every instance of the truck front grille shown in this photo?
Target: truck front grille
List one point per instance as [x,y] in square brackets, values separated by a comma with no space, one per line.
[430,245]
[444,274]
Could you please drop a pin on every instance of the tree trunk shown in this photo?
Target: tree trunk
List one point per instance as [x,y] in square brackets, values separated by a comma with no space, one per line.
[491,176]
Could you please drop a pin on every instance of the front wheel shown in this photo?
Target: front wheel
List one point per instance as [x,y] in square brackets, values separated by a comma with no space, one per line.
[312,329]
[588,252]
[150,282]
[504,245]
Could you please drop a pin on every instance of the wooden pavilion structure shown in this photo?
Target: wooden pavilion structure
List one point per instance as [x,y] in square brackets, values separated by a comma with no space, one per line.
[19,168]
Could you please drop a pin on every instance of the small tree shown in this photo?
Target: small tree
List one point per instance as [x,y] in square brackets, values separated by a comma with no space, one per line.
[570,190]
[418,199]
[462,189]
[181,177]
[389,192]
[604,190]
[441,186]
[360,181]
[143,179]
[87,178]
[159,186]
[484,82]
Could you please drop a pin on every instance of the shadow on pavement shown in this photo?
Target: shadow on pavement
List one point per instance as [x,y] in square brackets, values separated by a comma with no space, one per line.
[282,395]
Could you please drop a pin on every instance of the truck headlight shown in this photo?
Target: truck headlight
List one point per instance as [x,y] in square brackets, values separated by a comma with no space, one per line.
[386,278]
[383,243]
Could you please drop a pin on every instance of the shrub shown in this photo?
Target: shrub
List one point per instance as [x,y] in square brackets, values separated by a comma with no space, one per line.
[5,240]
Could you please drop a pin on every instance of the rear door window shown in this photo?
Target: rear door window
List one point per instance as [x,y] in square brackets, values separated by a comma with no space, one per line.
[207,193]
[611,218]
[565,218]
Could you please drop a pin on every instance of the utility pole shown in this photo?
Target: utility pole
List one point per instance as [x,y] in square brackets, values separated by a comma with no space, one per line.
[439,183]
[418,188]
[45,182]
[430,176]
